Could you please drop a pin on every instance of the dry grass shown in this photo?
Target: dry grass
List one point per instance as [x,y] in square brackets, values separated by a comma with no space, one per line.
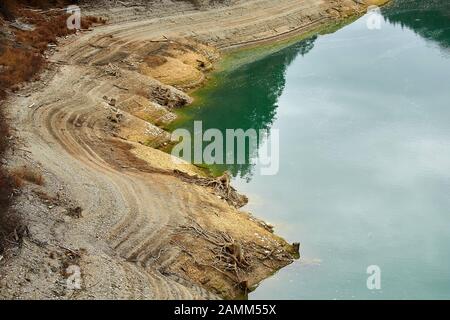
[10,9]
[22,59]
[24,173]
[19,66]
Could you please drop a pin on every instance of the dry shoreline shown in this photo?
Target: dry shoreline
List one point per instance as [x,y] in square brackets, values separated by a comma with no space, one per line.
[112,204]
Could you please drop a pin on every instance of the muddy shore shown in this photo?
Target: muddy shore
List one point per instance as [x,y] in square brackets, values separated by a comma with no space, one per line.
[110,204]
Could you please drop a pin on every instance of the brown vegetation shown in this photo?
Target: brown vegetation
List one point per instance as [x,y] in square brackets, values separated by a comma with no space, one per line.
[221,186]
[21,59]
[21,174]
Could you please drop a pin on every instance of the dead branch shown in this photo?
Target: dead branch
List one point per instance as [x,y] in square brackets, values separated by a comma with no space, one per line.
[220,186]
[120,87]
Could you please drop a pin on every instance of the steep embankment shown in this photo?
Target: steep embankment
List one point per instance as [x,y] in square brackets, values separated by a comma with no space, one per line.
[111,208]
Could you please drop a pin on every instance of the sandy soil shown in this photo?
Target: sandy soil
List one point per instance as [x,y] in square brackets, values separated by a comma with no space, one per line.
[111,204]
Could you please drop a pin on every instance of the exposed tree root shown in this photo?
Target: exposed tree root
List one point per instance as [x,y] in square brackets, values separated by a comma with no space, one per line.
[231,258]
[221,187]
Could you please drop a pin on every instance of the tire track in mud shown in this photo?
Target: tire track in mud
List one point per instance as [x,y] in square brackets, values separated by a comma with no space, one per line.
[73,123]
[245,21]
[130,214]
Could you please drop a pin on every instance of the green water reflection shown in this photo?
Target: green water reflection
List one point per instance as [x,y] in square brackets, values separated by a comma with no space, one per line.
[364,153]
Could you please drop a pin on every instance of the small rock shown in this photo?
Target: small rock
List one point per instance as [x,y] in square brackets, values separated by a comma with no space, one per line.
[112,102]
[75,212]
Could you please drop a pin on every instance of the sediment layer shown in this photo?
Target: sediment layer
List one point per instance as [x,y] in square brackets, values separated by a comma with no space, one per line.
[137,225]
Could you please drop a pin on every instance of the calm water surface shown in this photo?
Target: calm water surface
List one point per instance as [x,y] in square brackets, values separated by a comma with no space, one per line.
[364,154]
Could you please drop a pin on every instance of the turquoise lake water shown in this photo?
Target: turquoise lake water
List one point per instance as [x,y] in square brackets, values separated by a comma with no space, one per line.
[364,175]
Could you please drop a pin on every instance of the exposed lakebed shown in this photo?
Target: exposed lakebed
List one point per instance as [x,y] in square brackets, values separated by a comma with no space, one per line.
[364,175]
